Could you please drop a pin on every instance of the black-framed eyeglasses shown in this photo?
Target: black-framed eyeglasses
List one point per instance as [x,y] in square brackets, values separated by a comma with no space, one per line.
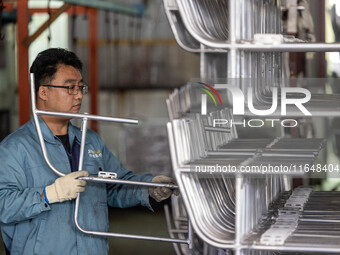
[72,89]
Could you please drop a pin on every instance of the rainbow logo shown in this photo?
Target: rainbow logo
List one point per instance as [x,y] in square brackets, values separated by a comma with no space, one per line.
[209,93]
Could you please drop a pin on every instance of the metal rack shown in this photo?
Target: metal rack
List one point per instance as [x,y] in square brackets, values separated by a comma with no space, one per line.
[240,42]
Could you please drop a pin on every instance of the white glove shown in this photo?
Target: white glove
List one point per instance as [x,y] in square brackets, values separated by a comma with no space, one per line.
[162,193]
[66,187]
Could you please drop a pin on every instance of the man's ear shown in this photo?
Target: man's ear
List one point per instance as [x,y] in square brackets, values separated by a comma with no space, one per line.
[42,93]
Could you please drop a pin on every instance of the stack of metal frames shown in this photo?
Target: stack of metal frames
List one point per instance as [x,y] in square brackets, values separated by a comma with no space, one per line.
[257,40]
[204,176]
[240,43]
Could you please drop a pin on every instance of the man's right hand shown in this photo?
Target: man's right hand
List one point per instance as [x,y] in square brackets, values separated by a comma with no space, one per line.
[66,187]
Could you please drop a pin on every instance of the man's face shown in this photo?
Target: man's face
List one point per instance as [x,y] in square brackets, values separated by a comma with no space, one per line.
[58,99]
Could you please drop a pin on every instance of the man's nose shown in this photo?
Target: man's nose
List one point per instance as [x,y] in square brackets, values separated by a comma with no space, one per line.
[79,94]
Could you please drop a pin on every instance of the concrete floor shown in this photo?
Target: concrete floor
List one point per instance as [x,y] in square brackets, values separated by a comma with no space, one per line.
[137,220]
[141,221]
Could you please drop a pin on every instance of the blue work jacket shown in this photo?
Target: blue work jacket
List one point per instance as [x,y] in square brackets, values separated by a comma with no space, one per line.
[28,224]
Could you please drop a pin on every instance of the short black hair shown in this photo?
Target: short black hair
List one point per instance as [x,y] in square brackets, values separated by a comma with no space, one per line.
[46,64]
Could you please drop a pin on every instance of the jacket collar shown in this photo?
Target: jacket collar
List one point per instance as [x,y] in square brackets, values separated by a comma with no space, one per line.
[73,132]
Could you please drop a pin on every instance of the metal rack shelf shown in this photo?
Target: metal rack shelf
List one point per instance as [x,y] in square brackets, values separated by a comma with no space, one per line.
[240,43]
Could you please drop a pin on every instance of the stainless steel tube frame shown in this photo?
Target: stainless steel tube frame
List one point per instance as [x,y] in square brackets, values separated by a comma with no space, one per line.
[249,46]
[172,20]
[179,170]
[85,118]
[108,234]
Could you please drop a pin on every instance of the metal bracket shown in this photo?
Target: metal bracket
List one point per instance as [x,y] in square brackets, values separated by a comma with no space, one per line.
[288,218]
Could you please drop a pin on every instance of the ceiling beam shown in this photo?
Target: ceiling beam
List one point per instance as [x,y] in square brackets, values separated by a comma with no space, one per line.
[106,5]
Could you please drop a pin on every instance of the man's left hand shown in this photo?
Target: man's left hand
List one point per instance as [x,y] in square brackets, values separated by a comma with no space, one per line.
[162,193]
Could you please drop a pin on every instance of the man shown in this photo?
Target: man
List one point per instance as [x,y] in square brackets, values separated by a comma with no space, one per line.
[36,206]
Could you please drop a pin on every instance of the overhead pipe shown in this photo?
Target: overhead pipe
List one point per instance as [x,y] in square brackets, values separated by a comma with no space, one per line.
[109,6]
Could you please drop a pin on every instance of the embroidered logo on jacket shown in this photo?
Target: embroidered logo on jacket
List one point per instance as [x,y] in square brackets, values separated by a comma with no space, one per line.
[94,154]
